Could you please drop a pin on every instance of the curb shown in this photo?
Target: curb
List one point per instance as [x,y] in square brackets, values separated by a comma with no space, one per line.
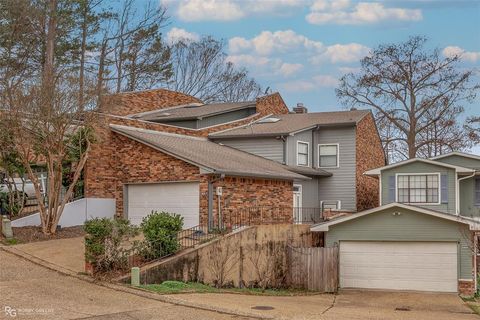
[131,290]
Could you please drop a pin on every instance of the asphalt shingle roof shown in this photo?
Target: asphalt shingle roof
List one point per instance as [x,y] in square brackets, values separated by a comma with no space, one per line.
[192,111]
[209,155]
[293,122]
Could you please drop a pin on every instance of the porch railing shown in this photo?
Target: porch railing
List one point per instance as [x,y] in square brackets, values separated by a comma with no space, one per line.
[232,218]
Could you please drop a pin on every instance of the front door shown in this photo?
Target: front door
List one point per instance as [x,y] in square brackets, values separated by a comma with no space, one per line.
[297,203]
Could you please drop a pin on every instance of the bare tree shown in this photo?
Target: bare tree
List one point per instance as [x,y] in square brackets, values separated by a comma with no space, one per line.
[47,125]
[410,90]
[200,68]
[132,55]
[222,258]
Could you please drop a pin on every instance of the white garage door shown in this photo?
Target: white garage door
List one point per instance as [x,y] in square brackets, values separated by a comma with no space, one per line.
[425,266]
[180,198]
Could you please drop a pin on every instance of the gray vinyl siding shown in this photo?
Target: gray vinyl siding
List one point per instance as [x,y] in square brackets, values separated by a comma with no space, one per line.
[270,148]
[192,124]
[342,184]
[420,167]
[225,117]
[305,136]
[467,199]
[212,120]
[467,186]
[309,193]
[408,226]
[460,161]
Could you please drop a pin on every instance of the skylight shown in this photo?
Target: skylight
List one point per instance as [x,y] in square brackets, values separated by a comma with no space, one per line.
[269,120]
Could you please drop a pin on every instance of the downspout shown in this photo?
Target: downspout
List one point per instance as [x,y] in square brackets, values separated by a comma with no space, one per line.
[457,190]
[210,200]
[284,149]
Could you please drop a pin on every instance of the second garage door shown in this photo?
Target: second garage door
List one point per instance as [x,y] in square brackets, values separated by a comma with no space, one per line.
[424,266]
[181,198]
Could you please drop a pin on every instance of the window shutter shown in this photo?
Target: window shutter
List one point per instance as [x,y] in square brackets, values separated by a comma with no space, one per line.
[444,188]
[391,189]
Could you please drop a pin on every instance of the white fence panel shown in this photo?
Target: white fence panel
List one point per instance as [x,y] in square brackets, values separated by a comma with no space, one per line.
[75,213]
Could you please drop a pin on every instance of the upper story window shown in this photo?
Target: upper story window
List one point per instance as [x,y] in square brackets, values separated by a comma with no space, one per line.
[302,153]
[477,191]
[328,156]
[418,188]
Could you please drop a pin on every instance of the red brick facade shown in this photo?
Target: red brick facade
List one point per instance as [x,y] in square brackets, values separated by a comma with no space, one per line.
[369,155]
[466,288]
[116,160]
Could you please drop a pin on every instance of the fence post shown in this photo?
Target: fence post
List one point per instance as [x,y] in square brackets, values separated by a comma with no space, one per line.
[135,278]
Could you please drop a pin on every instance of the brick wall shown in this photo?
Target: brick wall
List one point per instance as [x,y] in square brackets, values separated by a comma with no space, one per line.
[271,104]
[242,198]
[466,288]
[369,155]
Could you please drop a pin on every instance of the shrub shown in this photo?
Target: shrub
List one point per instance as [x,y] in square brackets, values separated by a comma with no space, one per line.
[103,243]
[160,230]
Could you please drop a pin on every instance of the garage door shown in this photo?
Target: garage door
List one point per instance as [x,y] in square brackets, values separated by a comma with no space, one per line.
[425,266]
[181,198]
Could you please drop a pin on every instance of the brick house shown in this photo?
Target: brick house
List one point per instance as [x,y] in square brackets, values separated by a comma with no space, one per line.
[160,149]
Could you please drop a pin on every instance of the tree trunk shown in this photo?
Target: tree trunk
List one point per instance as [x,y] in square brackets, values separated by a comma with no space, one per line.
[48,76]
[81,78]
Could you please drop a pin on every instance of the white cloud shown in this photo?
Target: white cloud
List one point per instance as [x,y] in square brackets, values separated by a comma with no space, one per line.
[228,10]
[177,34]
[204,10]
[310,84]
[452,51]
[345,53]
[288,69]
[268,42]
[349,69]
[344,12]
[248,60]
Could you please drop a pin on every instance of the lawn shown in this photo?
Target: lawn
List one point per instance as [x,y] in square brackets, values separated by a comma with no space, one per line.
[171,287]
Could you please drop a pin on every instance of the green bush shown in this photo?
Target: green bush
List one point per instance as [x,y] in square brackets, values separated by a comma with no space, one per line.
[160,230]
[103,243]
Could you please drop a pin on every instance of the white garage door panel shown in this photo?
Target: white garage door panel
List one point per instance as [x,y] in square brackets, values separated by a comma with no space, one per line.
[427,266]
[181,198]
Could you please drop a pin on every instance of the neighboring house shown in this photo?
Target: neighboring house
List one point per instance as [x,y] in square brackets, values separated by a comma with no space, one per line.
[333,148]
[422,237]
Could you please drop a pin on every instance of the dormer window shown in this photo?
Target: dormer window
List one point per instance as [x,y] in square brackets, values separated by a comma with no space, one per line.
[302,153]
[418,188]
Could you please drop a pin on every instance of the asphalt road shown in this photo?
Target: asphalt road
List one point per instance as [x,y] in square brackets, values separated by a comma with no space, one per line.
[29,291]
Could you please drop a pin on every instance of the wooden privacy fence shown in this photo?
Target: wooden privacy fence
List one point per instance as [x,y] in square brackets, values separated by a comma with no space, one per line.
[313,268]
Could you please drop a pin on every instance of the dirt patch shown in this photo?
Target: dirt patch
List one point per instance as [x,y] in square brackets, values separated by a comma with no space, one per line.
[34,234]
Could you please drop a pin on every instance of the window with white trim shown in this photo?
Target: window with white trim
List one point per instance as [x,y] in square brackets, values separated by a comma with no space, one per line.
[302,153]
[419,188]
[327,155]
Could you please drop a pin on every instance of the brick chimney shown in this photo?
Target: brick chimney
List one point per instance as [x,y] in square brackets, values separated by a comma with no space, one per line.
[300,108]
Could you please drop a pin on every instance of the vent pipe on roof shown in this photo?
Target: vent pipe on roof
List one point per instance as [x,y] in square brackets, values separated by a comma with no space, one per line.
[300,108]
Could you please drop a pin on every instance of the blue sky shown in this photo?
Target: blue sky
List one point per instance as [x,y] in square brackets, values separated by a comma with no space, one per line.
[301,47]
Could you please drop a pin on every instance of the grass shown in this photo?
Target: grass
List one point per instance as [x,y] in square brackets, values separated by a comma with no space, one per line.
[171,287]
[11,241]
[474,306]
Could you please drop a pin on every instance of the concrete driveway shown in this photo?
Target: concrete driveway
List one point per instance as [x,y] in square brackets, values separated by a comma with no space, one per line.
[33,292]
[348,304]
[66,253]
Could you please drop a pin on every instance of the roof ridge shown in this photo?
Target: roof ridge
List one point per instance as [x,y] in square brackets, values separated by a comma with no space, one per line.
[163,133]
